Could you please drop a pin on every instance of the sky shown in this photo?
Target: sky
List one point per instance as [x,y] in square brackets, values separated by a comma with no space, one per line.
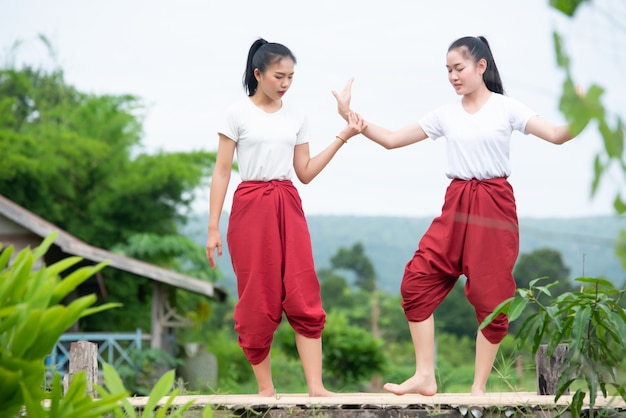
[185,60]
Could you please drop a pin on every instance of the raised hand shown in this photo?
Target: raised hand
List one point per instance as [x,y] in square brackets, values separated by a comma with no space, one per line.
[355,125]
[343,99]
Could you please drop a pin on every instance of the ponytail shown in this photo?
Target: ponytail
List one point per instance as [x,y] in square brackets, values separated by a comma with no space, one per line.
[260,55]
[478,48]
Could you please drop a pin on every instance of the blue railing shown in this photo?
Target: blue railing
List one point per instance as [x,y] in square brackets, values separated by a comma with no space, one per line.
[113,348]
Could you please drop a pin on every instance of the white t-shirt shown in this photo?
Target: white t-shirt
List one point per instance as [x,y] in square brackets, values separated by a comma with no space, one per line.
[265,141]
[478,145]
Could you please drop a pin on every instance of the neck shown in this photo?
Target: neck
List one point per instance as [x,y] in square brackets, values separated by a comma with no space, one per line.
[479,95]
[264,102]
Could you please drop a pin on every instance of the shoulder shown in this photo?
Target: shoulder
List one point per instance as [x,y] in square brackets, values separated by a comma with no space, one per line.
[507,100]
[238,106]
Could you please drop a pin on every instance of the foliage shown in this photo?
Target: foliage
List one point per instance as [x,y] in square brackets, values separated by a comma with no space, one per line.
[180,254]
[32,319]
[590,321]
[355,260]
[456,315]
[233,367]
[579,111]
[74,159]
[150,364]
[351,354]
[162,389]
[543,262]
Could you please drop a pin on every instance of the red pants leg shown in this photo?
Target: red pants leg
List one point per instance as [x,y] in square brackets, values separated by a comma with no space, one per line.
[476,235]
[270,250]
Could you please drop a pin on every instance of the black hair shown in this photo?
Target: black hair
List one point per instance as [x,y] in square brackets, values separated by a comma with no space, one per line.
[478,48]
[260,55]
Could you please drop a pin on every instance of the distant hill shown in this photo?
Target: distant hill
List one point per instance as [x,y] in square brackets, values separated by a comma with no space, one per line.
[587,245]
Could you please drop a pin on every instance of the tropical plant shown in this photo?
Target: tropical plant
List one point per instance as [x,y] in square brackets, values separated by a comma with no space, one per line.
[351,354]
[32,318]
[592,324]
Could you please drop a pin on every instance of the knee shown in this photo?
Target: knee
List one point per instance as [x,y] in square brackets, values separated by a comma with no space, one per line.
[496,330]
[310,326]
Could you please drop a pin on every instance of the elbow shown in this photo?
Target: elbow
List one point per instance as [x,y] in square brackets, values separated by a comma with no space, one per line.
[305,179]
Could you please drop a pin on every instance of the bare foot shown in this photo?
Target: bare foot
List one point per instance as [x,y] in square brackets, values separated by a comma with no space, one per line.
[321,392]
[477,391]
[414,384]
[267,392]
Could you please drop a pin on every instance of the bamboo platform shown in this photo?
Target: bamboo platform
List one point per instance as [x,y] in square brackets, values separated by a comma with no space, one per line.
[374,405]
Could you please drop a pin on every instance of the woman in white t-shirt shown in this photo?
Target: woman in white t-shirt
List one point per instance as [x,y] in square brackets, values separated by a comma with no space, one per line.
[477,232]
[268,237]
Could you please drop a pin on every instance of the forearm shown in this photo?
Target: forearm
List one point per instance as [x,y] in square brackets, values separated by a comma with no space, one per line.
[217,196]
[316,164]
[379,135]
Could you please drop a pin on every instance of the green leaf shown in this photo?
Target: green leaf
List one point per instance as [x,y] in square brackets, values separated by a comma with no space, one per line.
[517,307]
[5,257]
[567,7]
[501,308]
[595,281]
[580,325]
[598,171]
[160,390]
[45,245]
[72,281]
[26,333]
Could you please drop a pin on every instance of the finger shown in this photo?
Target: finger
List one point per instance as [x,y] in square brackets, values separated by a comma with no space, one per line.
[211,258]
[219,250]
[349,83]
[579,90]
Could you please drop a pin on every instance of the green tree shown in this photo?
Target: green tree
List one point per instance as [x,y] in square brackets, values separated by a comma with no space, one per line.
[544,262]
[456,315]
[335,291]
[75,159]
[355,260]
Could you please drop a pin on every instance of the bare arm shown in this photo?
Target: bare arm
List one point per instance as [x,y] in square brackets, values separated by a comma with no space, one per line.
[556,134]
[382,136]
[308,168]
[219,185]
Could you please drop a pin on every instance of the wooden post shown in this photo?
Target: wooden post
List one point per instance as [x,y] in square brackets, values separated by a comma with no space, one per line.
[549,369]
[83,358]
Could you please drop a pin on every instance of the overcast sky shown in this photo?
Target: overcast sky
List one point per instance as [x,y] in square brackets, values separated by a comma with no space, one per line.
[185,59]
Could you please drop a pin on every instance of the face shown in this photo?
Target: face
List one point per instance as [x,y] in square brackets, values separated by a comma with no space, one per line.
[464,75]
[276,79]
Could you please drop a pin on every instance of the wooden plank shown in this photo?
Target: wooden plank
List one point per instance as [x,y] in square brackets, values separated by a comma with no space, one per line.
[386,401]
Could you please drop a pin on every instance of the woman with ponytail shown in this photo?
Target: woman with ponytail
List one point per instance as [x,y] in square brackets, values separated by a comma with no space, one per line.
[268,237]
[477,233]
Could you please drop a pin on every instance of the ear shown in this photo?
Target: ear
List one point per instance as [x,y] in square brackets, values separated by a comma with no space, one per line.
[482,66]
[257,74]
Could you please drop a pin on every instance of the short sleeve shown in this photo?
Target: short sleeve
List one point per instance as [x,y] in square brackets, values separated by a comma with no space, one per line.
[519,114]
[303,132]
[229,124]
[431,124]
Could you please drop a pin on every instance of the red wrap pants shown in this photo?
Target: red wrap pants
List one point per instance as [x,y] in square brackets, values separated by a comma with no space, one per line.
[270,248]
[477,235]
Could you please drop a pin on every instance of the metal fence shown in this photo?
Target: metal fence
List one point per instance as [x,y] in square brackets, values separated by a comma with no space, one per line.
[116,349]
